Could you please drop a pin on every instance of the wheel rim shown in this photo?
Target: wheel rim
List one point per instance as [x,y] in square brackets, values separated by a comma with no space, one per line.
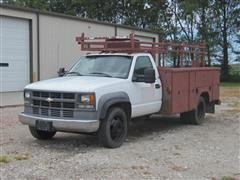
[116,128]
[200,112]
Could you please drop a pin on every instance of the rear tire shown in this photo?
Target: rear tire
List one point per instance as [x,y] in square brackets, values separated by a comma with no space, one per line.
[43,135]
[113,129]
[195,116]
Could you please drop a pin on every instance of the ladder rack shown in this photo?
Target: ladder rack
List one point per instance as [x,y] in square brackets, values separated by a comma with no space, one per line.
[177,50]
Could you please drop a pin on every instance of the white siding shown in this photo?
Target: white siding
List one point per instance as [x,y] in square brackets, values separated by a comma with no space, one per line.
[58,47]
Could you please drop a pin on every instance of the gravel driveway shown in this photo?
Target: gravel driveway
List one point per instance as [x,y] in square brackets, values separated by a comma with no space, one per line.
[158,148]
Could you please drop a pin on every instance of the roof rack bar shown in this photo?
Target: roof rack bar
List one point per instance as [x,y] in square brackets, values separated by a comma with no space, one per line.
[196,51]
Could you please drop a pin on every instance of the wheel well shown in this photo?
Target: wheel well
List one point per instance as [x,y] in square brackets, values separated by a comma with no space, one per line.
[205,95]
[126,106]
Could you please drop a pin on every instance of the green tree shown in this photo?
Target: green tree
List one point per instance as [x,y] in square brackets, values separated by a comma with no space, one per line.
[37,4]
[102,10]
[226,12]
[62,6]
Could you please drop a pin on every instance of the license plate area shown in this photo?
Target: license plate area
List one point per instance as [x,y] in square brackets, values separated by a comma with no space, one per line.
[44,125]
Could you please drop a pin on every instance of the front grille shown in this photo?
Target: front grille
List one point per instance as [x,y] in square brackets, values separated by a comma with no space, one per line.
[35,110]
[56,104]
[55,112]
[44,111]
[67,113]
[36,102]
[68,96]
[68,105]
[44,103]
[53,104]
[45,94]
[55,95]
[36,94]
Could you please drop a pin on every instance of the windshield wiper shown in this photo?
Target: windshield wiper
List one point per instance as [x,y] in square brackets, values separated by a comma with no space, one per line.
[74,72]
[100,73]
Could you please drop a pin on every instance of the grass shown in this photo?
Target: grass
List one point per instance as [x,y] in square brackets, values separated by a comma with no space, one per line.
[4,159]
[230,84]
[235,69]
[178,168]
[8,158]
[228,178]
[22,157]
[177,154]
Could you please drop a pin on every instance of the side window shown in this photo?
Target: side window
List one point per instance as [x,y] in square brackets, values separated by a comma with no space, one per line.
[142,63]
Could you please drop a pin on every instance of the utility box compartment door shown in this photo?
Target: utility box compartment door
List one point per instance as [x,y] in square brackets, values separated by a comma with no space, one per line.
[180,91]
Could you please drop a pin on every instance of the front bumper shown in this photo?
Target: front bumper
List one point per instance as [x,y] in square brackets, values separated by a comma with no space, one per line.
[62,124]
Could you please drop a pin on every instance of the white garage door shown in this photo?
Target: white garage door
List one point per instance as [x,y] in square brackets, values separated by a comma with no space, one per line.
[14,54]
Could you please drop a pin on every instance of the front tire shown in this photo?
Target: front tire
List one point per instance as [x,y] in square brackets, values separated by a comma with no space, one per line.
[43,135]
[113,129]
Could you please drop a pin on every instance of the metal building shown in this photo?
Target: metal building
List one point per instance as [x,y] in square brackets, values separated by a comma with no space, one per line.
[35,44]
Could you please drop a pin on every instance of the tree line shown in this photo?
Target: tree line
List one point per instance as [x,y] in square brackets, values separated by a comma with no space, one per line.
[216,22]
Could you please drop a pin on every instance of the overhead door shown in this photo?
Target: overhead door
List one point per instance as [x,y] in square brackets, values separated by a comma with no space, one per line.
[14,54]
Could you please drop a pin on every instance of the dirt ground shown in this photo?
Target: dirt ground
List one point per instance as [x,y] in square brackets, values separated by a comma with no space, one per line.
[158,148]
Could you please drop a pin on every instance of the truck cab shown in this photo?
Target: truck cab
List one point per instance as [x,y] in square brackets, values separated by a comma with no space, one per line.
[97,86]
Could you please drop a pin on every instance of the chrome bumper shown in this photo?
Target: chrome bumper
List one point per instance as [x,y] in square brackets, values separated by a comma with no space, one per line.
[62,124]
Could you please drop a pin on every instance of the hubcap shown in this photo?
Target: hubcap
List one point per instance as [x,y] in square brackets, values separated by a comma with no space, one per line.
[116,128]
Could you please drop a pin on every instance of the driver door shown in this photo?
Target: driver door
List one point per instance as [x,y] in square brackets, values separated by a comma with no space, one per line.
[148,96]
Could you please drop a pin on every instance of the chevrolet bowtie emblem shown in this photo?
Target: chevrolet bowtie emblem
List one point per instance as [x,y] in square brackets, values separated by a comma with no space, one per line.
[49,99]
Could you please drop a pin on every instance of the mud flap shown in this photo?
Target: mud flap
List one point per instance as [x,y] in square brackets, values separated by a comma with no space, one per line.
[210,107]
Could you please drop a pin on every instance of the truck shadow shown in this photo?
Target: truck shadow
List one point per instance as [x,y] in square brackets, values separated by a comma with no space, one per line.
[155,124]
[138,129]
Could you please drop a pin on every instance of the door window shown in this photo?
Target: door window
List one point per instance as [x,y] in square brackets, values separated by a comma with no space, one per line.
[142,63]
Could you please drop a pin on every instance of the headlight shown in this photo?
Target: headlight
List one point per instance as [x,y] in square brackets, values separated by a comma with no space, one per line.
[27,94]
[86,101]
[27,97]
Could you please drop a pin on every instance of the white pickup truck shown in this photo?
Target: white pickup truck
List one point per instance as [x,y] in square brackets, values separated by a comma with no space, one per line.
[102,92]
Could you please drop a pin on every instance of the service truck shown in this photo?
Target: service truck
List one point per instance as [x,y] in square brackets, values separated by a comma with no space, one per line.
[103,91]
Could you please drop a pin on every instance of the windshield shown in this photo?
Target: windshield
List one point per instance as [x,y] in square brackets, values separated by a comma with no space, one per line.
[107,66]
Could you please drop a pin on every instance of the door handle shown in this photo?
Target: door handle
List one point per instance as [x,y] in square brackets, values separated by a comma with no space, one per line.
[3,64]
[157,86]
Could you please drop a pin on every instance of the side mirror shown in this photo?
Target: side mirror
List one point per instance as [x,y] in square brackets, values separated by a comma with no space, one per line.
[61,72]
[149,75]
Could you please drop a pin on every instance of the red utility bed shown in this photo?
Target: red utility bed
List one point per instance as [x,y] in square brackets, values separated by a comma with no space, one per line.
[182,87]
